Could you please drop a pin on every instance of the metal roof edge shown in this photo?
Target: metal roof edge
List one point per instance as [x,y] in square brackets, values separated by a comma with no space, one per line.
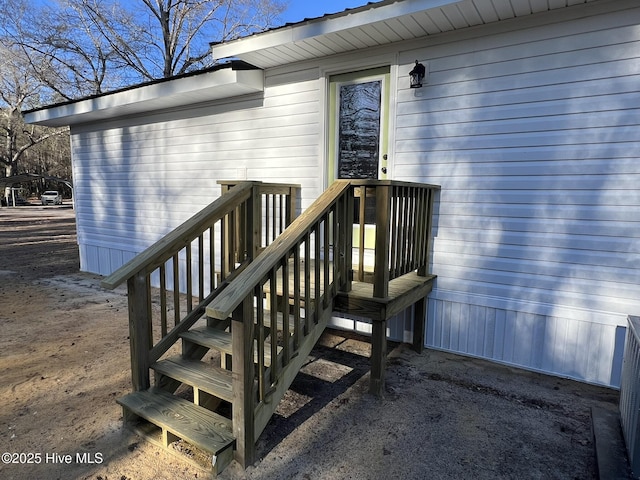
[331,23]
[221,81]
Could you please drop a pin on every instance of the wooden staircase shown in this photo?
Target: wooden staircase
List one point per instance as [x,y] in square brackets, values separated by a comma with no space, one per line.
[253,289]
[170,420]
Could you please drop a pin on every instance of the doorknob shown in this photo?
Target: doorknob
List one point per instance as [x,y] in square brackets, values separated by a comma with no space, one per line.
[384,169]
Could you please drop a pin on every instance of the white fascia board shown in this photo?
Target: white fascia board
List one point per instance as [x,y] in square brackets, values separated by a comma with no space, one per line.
[223,83]
[324,25]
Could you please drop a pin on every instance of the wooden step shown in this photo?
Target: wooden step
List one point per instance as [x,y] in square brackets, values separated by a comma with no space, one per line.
[180,419]
[279,319]
[200,375]
[212,338]
[220,341]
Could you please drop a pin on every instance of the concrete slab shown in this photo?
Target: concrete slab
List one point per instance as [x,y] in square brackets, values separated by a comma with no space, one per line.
[611,454]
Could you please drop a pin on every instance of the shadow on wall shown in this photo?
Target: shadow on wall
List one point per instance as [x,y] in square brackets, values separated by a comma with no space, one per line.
[534,249]
[137,179]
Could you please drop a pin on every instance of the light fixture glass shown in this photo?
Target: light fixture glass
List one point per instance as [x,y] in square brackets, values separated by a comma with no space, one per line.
[416,75]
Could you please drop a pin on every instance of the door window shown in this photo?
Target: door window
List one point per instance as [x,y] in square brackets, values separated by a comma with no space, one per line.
[359,129]
[358,111]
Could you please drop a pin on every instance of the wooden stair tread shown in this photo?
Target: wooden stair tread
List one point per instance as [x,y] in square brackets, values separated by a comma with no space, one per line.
[197,425]
[220,340]
[398,287]
[210,338]
[206,377]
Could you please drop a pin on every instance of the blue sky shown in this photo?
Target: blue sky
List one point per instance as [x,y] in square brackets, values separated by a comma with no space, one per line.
[300,9]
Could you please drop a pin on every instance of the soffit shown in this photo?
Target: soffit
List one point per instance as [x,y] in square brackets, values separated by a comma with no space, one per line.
[375,24]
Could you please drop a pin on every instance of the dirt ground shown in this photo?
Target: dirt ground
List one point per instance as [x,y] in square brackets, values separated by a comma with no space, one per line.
[64,359]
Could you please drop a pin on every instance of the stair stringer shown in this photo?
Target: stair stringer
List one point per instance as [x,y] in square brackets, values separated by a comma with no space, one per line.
[264,411]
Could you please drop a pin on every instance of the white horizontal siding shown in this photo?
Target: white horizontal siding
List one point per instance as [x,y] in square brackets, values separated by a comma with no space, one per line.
[137,178]
[530,127]
[533,136]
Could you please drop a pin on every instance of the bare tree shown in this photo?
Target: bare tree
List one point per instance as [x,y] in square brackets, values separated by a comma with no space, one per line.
[162,38]
[22,146]
[19,89]
[57,50]
[92,46]
[64,50]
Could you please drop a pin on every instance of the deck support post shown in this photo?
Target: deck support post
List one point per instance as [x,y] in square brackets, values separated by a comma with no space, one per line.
[419,322]
[378,357]
[423,269]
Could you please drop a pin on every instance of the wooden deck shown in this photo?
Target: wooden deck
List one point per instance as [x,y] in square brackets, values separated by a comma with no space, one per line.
[403,292]
[270,305]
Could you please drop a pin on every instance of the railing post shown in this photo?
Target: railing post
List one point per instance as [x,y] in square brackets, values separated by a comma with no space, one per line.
[242,336]
[292,205]
[253,219]
[345,241]
[139,329]
[381,266]
[233,237]
[423,269]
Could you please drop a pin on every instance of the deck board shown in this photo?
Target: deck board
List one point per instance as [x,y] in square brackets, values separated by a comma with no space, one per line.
[207,430]
[206,377]
[404,291]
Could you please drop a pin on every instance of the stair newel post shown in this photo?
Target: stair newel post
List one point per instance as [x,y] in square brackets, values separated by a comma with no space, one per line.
[242,339]
[140,334]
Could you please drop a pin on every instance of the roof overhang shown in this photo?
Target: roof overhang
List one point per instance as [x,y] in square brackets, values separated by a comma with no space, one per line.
[375,24]
[170,93]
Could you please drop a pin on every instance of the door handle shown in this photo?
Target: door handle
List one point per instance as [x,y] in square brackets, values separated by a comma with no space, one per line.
[384,169]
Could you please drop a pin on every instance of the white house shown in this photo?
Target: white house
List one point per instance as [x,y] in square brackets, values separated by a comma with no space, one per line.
[528,118]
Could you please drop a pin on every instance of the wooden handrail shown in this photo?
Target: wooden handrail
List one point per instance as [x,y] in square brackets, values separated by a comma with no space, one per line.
[392,183]
[396,252]
[278,205]
[161,251]
[260,304]
[224,305]
[402,215]
[190,266]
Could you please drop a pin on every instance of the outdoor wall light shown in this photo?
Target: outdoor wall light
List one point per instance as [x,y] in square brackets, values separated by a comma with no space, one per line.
[416,76]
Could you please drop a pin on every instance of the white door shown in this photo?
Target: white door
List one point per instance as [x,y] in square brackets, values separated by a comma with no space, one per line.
[358,137]
[358,113]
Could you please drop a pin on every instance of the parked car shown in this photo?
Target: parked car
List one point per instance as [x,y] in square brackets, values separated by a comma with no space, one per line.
[51,197]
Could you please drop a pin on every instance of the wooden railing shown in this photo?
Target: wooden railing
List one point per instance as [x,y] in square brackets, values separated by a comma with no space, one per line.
[189,267]
[277,209]
[400,214]
[260,304]
[291,289]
